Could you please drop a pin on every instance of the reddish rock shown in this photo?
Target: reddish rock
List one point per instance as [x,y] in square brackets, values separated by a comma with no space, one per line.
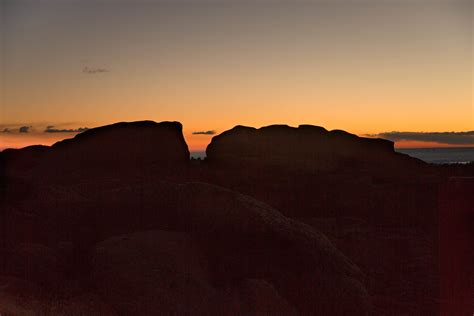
[306,148]
[33,263]
[164,272]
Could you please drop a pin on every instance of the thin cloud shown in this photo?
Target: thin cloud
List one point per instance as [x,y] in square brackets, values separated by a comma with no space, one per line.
[24,129]
[451,138]
[51,129]
[6,130]
[94,71]
[210,132]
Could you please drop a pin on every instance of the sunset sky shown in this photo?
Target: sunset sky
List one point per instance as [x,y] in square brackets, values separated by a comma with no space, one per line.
[368,67]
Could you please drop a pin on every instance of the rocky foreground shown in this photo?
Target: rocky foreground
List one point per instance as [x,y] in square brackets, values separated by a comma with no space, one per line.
[276,221]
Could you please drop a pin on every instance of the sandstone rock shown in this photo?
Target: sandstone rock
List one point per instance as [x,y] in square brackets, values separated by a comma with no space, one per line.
[109,181]
[83,305]
[230,222]
[164,272]
[241,238]
[22,298]
[306,148]
[34,263]
[124,146]
[121,149]
[14,162]
[256,297]
[153,272]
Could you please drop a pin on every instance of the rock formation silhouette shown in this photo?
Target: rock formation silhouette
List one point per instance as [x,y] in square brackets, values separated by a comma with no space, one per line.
[279,220]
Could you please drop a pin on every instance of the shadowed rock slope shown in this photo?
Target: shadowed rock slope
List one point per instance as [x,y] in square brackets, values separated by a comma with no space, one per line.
[277,220]
[92,226]
[306,148]
[308,171]
[119,148]
[381,208]
[238,239]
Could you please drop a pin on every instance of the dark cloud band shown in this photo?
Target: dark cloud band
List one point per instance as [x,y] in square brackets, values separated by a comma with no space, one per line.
[451,138]
[24,129]
[94,71]
[210,132]
[51,129]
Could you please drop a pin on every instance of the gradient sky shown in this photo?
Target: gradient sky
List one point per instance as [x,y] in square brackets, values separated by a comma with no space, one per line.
[367,67]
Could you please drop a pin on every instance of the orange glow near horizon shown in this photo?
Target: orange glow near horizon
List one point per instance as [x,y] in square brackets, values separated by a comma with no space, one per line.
[20,141]
[196,143]
[353,65]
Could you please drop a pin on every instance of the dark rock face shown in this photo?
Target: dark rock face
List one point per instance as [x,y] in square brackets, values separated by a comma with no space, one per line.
[308,171]
[34,263]
[456,231]
[318,176]
[257,297]
[277,220]
[305,149]
[238,237]
[125,145]
[19,297]
[146,272]
[398,261]
[136,147]
[24,159]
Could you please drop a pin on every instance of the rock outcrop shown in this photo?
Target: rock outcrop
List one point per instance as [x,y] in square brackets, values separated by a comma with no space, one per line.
[146,272]
[277,220]
[306,149]
[111,150]
[310,172]
[315,175]
[240,238]
[21,298]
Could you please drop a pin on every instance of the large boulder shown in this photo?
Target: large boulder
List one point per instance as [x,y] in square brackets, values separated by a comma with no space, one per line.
[143,145]
[256,297]
[165,272]
[58,202]
[22,298]
[34,263]
[20,161]
[309,172]
[249,236]
[123,148]
[241,237]
[146,272]
[400,263]
[456,240]
[88,304]
[306,148]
